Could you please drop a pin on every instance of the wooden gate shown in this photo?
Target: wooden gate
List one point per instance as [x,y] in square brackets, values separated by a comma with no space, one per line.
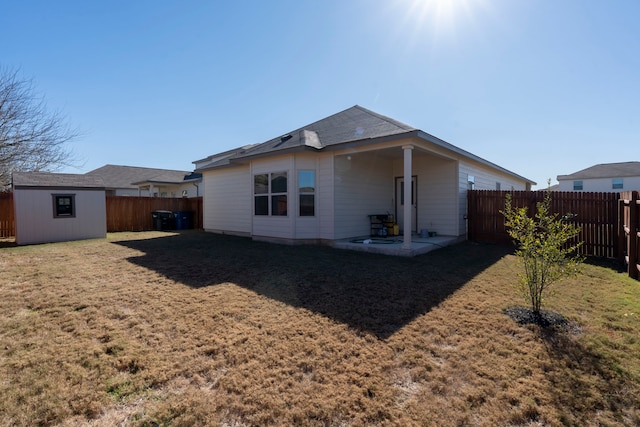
[7,225]
[629,229]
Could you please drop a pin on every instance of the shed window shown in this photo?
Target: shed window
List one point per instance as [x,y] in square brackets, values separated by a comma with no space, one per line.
[577,185]
[617,183]
[64,205]
[270,193]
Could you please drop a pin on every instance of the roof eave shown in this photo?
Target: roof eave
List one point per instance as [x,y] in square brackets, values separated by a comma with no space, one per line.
[366,141]
[150,181]
[248,157]
[471,156]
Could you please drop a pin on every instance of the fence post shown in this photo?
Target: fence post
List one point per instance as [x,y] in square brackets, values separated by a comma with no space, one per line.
[470,208]
[622,234]
[634,230]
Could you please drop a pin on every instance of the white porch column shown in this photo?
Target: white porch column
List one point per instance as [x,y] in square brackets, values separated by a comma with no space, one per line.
[408,151]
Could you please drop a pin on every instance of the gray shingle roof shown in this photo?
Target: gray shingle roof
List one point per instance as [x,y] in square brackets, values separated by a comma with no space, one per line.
[353,124]
[116,176]
[60,180]
[605,170]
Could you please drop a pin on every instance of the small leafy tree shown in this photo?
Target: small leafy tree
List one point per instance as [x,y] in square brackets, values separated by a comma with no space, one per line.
[544,248]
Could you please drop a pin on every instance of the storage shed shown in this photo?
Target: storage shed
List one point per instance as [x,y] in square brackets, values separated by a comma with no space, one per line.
[54,207]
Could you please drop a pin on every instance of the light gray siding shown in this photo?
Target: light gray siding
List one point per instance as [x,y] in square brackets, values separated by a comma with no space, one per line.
[325,197]
[35,221]
[363,186]
[227,203]
[437,195]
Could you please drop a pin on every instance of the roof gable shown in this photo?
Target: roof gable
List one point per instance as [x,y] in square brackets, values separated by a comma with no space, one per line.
[353,124]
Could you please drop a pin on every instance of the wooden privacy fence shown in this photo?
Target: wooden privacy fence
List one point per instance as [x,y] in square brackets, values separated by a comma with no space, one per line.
[126,213]
[595,213]
[7,226]
[629,229]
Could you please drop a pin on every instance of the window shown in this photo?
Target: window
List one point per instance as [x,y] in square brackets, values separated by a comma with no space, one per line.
[64,205]
[471,182]
[306,192]
[617,183]
[498,186]
[577,185]
[270,193]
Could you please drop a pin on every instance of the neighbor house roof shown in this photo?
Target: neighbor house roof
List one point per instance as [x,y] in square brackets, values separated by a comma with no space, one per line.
[355,125]
[605,170]
[59,180]
[116,176]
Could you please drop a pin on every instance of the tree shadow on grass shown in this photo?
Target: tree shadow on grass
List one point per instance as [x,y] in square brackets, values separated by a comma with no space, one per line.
[375,293]
[587,383]
[608,263]
[583,382]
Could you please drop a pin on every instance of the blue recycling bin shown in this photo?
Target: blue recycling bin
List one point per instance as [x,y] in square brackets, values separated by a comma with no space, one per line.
[183,220]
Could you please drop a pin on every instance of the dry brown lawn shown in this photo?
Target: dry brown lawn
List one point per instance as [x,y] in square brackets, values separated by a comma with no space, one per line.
[190,329]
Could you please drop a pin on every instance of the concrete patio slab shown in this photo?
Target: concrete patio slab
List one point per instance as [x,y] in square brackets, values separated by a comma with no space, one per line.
[393,245]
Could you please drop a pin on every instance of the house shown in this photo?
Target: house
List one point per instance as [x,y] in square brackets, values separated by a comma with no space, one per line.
[605,177]
[53,207]
[322,183]
[139,181]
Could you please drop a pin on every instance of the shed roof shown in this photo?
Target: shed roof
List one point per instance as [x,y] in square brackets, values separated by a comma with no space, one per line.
[605,170]
[57,180]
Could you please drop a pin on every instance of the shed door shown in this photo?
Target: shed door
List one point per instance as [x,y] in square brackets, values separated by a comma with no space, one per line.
[400,203]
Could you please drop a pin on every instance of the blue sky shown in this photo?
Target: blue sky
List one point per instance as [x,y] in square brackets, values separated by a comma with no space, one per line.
[540,87]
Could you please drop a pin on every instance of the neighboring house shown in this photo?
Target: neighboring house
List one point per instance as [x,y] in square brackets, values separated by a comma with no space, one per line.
[613,177]
[138,181]
[54,207]
[320,183]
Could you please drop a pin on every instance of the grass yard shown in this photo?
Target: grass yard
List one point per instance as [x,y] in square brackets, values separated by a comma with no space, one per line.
[190,329]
